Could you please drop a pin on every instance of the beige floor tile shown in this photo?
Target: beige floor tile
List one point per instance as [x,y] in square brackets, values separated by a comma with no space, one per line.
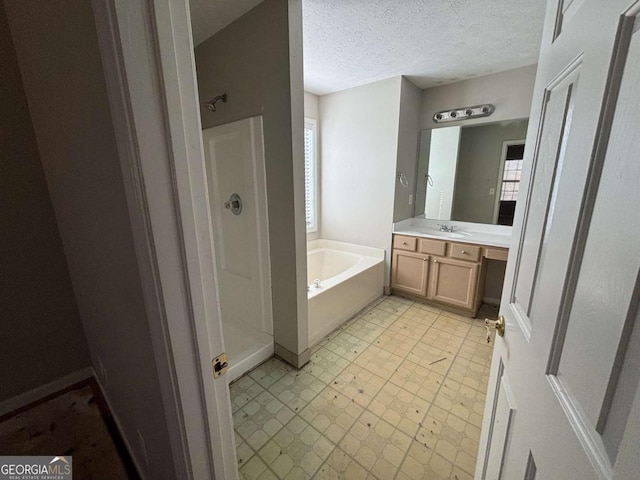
[455,316]
[296,389]
[396,343]
[422,463]
[459,474]
[477,352]
[394,305]
[269,372]
[358,384]
[376,445]
[243,390]
[244,452]
[364,330]
[346,345]
[460,400]
[469,373]
[413,323]
[340,466]
[452,326]
[396,393]
[419,313]
[325,365]
[260,419]
[380,317]
[332,414]
[400,408]
[253,469]
[296,450]
[418,380]
[442,340]
[378,361]
[452,438]
[431,358]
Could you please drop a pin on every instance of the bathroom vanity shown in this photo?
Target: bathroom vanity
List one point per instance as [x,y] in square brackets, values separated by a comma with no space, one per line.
[448,268]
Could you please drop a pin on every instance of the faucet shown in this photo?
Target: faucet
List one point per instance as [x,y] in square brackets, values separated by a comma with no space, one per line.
[446,228]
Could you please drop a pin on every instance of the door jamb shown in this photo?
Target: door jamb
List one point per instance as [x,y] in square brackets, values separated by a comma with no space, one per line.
[154,109]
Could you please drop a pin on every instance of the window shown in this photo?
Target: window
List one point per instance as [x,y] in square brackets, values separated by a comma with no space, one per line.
[310,175]
[512,173]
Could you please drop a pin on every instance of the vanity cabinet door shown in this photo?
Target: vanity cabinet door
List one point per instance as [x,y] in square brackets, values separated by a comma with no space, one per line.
[454,282]
[410,272]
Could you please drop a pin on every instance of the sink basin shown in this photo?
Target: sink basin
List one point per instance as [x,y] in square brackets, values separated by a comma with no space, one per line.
[438,233]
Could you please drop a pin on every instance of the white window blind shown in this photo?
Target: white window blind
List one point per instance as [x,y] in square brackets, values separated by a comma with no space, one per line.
[310,174]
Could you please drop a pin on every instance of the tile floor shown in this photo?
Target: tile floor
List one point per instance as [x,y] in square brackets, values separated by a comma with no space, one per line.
[398,392]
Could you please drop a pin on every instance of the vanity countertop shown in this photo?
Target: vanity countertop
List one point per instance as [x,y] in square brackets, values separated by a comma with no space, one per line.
[478,234]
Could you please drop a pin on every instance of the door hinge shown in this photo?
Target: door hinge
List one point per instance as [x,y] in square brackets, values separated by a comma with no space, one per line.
[220,365]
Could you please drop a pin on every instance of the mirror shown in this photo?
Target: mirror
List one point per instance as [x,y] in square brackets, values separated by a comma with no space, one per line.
[471,173]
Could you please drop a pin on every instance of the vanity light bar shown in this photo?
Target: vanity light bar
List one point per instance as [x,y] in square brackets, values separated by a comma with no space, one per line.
[464,113]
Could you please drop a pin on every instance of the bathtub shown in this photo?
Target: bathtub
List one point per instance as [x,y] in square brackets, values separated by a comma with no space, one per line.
[350,277]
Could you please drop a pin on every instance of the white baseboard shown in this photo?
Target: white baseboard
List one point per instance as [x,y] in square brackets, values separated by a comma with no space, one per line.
[126,441]
[491,301]
[38,393]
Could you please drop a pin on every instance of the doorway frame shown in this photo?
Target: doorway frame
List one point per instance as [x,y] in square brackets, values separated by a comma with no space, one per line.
[149,67]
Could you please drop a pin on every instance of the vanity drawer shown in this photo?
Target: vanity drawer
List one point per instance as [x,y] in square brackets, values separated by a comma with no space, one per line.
[464,251]
[434,247]
[496,253]
[401,242]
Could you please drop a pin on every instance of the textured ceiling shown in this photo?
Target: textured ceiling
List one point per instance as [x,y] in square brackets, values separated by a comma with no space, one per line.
[353,42]
[211,16]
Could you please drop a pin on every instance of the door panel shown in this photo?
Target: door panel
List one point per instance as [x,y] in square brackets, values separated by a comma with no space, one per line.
[590,340]
[556,126]
[502,421]
[570,350]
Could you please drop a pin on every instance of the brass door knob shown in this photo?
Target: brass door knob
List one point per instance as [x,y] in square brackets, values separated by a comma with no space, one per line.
[498,325]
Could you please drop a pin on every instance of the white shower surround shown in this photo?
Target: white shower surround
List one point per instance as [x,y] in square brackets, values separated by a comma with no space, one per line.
[351,277]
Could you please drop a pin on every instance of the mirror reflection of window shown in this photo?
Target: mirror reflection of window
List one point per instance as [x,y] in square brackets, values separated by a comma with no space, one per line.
[482,181]
[510,183]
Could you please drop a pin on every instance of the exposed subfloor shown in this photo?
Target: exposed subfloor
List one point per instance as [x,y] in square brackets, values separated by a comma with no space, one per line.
[75,422]
[396,393]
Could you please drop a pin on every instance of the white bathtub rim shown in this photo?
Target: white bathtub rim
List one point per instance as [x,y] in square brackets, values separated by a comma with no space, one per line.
[362,250]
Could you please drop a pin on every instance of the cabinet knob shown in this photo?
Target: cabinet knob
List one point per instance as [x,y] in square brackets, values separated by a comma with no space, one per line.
[425,259]
[464,251]
[404,243]
[435,261]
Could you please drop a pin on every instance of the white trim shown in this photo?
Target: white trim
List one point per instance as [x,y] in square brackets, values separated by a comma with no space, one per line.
[262,221]
[19,401]
[155,113]
[116,420]
[503,156]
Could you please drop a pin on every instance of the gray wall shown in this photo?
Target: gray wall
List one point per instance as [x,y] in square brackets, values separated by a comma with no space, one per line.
[250,61]
[510,91]
[359,149]
[41,329]
[479,167]
[408,140]
[58,54]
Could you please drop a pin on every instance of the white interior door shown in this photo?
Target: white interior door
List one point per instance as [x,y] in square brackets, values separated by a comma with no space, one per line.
[235,166]
[563,399]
